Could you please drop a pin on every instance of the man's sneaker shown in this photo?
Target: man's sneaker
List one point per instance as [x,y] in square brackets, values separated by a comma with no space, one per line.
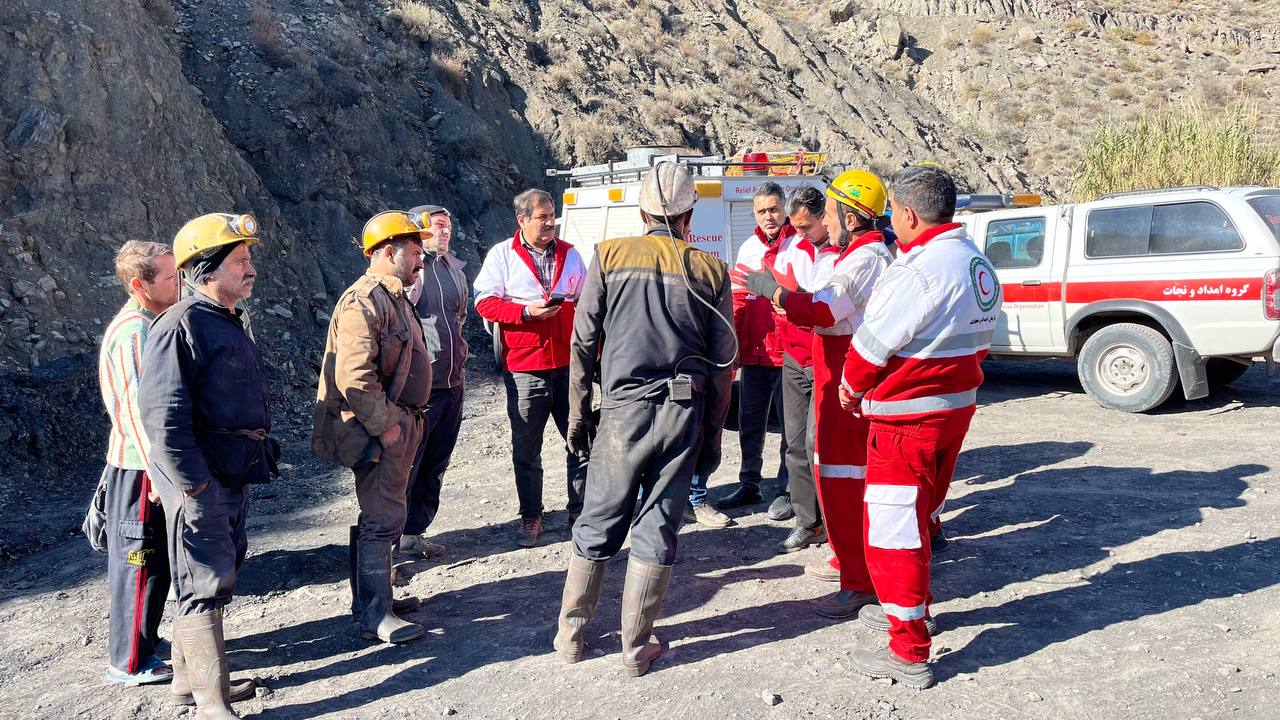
[710,517]
[842,604]
[420,546]
[741,497]
[801,538]
[780,509]
[886,664]
[530,529]
[873,617]
[826,571]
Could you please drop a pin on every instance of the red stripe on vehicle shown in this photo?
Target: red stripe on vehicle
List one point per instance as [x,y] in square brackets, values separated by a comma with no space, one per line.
[1019,293]
[1238,289]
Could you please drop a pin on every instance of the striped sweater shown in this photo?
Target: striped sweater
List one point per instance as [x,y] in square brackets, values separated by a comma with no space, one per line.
[119,362]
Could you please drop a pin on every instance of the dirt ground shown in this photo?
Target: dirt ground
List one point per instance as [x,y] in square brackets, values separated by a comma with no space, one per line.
[1102,565]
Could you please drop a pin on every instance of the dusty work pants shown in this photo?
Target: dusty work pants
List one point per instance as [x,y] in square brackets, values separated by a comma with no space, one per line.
[441,423]
[797,415]
[840,463]
[646,448]
[382,487]
[137,568]
[909,470]
[532,397]
[759,389]
[207,542]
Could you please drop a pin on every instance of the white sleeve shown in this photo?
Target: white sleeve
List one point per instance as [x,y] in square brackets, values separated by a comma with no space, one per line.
[849,290]
[491,281]
[898,307]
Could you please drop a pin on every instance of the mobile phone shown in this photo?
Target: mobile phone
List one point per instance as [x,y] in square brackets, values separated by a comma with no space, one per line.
[554,300]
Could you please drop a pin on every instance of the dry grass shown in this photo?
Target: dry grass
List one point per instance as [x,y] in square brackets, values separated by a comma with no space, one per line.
[1144,38]
[1120,92]
[723,52]
[1075,26]
[948,41]
[451,73]
[1189,146]
[560,77]
[592,136]
[417,17]
[981,36]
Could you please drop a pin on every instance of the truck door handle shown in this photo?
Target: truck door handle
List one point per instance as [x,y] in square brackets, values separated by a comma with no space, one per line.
[1030,283]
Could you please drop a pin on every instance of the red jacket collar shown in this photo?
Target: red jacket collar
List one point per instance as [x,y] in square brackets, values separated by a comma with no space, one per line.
[786,231]
[930,234]
[869,237]
[561,252]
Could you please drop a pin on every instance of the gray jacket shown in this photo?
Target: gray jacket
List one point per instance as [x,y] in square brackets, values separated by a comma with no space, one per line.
[441,297]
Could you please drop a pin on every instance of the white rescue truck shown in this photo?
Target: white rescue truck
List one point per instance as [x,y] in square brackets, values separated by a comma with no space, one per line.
[1146,290]
[602,201]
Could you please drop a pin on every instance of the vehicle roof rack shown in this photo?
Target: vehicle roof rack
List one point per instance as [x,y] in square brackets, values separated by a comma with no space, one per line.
[1157,191]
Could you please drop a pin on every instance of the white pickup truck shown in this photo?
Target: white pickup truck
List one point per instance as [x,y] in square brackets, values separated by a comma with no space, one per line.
[1145,290]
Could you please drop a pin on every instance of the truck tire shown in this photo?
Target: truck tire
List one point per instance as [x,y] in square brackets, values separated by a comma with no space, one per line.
[1127,367]
[1224,371]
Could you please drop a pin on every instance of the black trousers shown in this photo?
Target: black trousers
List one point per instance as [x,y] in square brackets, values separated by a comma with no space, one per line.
[797,412]
[441,424]
[532,397]
[644,448]
[759,389]
[207,542]
[137,568]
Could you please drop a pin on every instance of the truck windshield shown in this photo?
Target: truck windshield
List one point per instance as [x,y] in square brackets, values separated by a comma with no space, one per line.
[1268,206]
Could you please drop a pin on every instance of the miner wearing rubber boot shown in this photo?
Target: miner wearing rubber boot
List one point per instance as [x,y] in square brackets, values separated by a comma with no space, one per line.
[802,264]
[203,396]
[851,205]
[913,370]
[656,317]
[137,554]
[375,382]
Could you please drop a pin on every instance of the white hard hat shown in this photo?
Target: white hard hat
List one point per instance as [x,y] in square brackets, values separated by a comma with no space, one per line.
[667,190]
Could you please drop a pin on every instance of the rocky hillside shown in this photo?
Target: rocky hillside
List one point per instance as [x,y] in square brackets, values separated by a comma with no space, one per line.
[123,118]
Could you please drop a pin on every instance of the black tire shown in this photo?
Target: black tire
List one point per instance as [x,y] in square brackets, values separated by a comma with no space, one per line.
[1127,367]
[1224,371]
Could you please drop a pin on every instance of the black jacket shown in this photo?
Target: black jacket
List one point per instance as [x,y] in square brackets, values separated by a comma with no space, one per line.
[204,398]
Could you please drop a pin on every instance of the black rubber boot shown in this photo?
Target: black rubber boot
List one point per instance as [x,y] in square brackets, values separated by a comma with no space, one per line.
[377,620]
[180,689]
[581,593]
[642,593]
[398,605]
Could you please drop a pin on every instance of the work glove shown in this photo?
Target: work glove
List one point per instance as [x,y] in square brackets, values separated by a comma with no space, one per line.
[762,283]
[578,439]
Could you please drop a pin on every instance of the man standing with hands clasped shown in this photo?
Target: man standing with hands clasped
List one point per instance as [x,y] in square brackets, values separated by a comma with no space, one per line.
[655,317]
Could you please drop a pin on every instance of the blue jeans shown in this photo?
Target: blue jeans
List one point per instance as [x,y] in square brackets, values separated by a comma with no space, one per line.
[698,491]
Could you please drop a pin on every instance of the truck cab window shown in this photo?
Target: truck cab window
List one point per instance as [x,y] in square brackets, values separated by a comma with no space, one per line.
[1016,243]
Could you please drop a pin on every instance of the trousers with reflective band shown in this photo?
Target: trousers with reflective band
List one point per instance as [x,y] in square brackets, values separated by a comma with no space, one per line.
[840,463]
[908,475]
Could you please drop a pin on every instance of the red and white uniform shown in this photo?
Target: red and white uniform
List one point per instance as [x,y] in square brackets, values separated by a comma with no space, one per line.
[508,282]
[799,266]
[760,340]
[916,363]
[835,311]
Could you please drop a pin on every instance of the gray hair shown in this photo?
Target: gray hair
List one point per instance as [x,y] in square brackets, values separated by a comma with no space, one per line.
[523,203]
[810,198]
[137,259]
[769,188]
[928,190]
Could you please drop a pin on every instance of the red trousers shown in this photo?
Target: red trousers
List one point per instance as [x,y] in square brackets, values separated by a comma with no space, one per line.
[840,463]
[909,470]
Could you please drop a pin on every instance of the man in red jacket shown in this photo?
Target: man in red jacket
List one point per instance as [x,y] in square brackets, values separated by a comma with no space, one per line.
[760,350]
[527,287]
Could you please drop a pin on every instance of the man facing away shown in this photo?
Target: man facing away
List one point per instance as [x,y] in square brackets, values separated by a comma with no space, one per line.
[440,296]
[913,370]
[138,557]
[527,287]
[204,402]
[375,382]
[655,317]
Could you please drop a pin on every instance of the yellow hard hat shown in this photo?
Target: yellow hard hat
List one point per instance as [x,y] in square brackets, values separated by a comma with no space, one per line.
[860,189]
[391,224]
[213,231]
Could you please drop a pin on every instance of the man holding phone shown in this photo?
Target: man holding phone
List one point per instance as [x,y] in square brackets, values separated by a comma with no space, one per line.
[527,288]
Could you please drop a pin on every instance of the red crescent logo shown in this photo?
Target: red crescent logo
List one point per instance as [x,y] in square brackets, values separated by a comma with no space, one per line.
[982,283]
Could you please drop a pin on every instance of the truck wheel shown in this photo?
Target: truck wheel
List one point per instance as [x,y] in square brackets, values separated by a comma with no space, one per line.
[1223,371]
[1127,367]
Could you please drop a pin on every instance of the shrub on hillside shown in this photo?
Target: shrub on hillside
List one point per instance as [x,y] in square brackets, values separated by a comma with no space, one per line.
[1190,146]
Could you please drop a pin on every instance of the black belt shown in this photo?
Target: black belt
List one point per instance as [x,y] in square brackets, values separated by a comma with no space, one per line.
[419,410]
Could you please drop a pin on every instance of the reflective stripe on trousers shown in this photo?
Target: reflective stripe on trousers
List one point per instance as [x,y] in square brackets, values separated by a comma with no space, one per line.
[920,405]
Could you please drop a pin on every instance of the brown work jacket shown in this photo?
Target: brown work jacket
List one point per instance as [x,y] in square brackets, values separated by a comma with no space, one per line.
[366,364]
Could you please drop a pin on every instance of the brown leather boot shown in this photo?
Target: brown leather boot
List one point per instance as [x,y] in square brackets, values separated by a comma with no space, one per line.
[642,593]
[180,689]
[581,593]
[204,654]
